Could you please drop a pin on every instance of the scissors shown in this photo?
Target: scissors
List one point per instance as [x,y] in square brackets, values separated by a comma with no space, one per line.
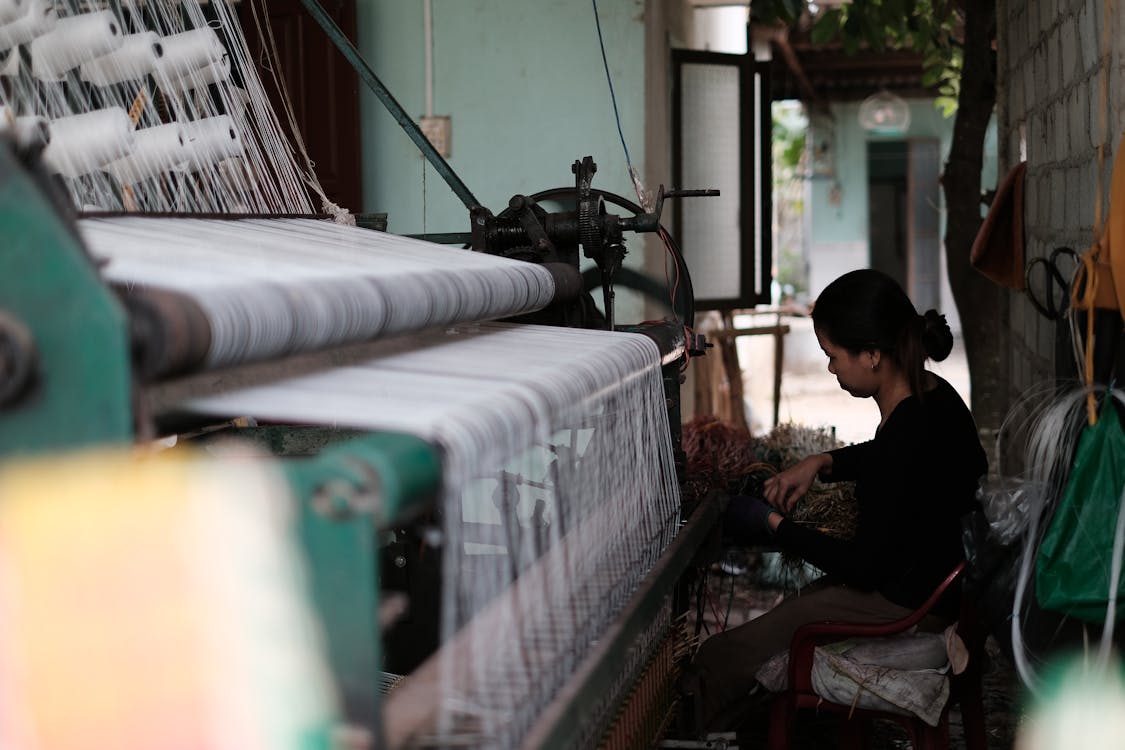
[1056,286]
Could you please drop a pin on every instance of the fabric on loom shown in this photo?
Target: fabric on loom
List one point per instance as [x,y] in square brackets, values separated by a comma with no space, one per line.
[280,286]
[559,496]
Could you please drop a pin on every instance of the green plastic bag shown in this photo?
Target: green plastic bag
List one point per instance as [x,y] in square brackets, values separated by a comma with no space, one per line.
[1072,570]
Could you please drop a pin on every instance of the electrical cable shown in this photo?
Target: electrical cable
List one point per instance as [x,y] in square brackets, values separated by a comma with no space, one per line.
[700,623]
[715,611]
[730,597]
[609,80]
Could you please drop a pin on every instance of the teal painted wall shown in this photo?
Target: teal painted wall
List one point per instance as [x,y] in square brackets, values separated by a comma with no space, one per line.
[524,84]
[846,219]
[837,238]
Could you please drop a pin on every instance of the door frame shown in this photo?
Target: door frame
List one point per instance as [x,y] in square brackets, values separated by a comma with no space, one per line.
[756,204]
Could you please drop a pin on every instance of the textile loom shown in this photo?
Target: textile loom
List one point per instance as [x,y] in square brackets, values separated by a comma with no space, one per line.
[454,430]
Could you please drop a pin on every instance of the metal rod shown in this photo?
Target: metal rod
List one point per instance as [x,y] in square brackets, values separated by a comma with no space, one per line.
[376,221]
[444,238]
[405,121]
[210,216]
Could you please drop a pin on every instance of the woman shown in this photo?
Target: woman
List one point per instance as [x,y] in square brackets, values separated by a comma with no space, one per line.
[914,480]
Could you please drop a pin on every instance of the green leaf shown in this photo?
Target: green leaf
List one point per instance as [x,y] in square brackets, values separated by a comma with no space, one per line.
[934,58]
[791,9]
[894,10]
[827,26]
[875,34]
[791,156]
[947,105]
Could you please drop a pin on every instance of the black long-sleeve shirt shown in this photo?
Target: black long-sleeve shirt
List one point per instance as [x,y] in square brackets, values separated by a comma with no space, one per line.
[914,481]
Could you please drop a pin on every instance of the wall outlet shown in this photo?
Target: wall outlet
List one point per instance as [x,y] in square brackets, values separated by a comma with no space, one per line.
[438,131]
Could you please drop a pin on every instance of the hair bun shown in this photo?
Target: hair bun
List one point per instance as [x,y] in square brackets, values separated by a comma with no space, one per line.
[937,339]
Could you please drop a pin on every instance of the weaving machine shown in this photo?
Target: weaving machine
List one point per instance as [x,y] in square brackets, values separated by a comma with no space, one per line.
[517,481]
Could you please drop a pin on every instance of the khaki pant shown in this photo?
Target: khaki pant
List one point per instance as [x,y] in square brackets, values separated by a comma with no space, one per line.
[721,678]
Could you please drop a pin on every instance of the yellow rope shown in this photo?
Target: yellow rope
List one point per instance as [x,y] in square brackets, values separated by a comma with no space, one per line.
[1087,277]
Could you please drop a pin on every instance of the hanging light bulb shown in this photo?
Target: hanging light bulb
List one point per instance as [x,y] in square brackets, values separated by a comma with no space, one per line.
[884,113]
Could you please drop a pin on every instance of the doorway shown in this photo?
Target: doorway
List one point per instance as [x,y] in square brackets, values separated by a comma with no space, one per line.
[904,216]
[886,206]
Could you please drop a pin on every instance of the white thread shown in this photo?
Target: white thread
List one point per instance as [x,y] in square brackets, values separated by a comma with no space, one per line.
[156,150]
[200,52]
[189,51]
[73,41]
[10,10]
[265,31]
[208,141]
[272,287]
[1050,424]
[559,496]
[211,73]
[28,132]
[82,143]
[135,58]
[38,20]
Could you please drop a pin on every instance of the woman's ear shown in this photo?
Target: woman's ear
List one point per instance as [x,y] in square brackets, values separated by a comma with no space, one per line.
[875,356]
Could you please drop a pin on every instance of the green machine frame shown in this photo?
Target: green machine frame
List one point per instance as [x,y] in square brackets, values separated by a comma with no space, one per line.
[67,383]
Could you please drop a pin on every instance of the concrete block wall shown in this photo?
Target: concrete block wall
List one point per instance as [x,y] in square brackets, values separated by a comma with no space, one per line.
[1054,56]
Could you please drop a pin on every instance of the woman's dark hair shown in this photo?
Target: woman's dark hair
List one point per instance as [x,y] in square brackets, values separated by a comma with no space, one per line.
[866,310]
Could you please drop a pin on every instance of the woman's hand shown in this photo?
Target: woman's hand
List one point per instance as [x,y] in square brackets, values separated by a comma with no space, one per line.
[785,489]
[747,521]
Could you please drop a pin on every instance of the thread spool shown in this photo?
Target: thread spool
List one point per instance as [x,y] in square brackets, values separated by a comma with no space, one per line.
[73,41]
[215,72]
[209,141]
[10,10]
[155,150]
[31,132]
[39,19]
[189,51]
[135,58]
[80,144]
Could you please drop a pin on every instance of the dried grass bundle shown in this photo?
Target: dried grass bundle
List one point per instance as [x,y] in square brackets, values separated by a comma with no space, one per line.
[717,451]
[726,458]
[830,508]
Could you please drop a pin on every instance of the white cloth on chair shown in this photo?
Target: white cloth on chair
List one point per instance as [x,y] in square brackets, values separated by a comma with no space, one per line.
[904,674]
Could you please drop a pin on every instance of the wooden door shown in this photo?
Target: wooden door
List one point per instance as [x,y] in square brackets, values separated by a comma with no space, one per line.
[887,210]
[323,89]
[924,189]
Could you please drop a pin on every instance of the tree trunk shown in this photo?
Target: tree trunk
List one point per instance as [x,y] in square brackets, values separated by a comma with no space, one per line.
[983,306]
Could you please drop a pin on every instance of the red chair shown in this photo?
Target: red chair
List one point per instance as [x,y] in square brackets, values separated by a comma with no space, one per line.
[965,688]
